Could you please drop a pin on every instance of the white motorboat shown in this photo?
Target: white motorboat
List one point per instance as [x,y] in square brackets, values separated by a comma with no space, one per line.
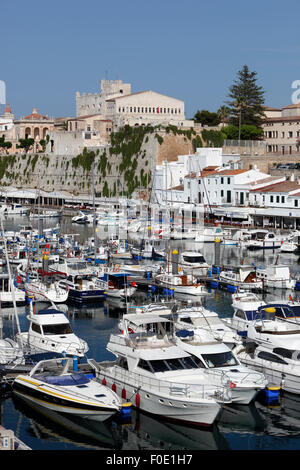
[118,285]
[9,293]
[281,366]
[79,280]
[46,292]
[181,283]
[53,385]
[209,234]
[237,238]
[197,319]
[82,218]
[195,261]
[50,331]
[276,276]
[13,209]
[241,277]
[248,307]
[292,244]
[264,239]
[222,366]
[272,331]
[158,376]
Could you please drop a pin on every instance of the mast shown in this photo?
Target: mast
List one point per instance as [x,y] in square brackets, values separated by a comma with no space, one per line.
[10,280]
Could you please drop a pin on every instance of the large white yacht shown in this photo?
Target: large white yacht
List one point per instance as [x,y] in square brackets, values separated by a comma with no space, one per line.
[222,366]
[158,376]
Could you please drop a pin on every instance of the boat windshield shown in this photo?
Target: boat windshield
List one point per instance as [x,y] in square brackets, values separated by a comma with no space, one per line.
[59,329]
[166,365]
[193,259]
[219,359]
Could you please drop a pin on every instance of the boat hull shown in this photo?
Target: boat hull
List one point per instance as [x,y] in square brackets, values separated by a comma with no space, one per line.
[197,412]
[40,396]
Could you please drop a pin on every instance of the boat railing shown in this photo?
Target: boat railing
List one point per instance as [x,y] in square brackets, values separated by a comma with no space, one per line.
[162,387]
[245,378]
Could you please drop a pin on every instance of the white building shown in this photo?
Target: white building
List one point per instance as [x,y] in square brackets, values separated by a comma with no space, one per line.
[175,181]
[116,102]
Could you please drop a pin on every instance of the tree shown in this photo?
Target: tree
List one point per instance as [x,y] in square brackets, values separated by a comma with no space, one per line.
[247,99]
[247,132]
[4,145]
[223,113]
[207,118]
[25,144]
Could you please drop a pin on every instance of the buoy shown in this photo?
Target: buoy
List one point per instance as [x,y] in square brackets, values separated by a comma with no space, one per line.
[137,399]
[104,381]
[114,387]
[123,394]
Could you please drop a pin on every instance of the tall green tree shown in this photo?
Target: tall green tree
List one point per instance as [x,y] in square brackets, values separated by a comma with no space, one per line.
[246,99]
[207,118]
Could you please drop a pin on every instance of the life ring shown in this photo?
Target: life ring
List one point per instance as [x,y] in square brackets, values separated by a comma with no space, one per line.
[232,385]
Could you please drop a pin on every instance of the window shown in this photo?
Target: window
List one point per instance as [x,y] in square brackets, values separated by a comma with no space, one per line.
[240,314]
[228,180]
[271,198]
[36,328]
[222,180]
[144,365]
[220,359]
[282,199]
[296,202]
[59,329]
[277,198]
[270,357]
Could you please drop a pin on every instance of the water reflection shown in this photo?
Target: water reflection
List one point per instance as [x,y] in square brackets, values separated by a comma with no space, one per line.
[140,432]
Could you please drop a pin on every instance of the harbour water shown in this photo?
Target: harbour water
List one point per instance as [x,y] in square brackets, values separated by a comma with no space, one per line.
[260,426]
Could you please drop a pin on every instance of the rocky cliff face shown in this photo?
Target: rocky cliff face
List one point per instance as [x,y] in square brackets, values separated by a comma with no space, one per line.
[122,167]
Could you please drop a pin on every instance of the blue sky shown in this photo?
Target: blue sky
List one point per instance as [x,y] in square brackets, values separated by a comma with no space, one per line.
[188,49]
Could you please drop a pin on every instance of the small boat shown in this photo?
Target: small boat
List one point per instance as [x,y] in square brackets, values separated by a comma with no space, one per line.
[248,307]
[209,234]
[262,239]
[118,285]
[181,283]
[194,261]
[198,319]
[9,293]
[281,366]
[272,331]
[276,276]
[50,331]
[46,292]
[241,277]
[52,384]
[292,245]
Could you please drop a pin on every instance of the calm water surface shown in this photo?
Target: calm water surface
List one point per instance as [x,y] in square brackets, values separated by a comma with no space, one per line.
[260,426]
